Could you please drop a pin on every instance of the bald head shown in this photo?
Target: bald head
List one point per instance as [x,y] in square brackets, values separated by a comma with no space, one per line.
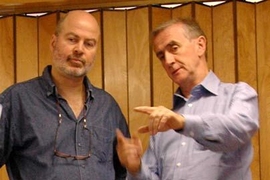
[77,17]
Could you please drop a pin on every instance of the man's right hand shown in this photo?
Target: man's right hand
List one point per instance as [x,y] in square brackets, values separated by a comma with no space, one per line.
[129,151]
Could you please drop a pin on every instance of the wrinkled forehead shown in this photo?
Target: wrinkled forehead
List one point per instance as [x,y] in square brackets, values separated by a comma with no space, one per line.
[168,35]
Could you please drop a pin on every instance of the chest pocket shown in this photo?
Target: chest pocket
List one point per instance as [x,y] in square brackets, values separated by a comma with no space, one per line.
[102,143]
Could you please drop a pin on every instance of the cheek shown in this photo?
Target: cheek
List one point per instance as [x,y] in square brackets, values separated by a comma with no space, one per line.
[59,53]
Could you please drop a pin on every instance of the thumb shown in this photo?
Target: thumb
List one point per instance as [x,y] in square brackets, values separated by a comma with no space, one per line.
[136,141]
[120,137]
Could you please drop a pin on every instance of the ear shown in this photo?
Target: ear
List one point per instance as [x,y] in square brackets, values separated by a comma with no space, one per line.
[201,45]
[53,42]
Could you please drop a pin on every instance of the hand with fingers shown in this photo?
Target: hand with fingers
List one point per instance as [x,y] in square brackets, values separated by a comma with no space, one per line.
[129,151]
[160,119]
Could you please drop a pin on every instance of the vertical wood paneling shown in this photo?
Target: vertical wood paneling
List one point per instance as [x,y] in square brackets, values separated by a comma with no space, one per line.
[7,65]
[224,42]
[7,75]
[26,48]
[46,27]
[138,67]
[95,74]
[115,56]
[263,56]
[162,85]
[247,68]
[184,11]
[203,15]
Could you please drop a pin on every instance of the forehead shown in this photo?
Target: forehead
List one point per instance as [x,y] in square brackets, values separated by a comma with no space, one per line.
[80,27]
[175,32]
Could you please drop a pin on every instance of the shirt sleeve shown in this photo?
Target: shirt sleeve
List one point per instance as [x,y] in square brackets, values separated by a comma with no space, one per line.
[5,131]
[226,131]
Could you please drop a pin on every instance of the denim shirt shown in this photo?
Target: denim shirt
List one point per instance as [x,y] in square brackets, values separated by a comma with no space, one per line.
[215,144]
[28,133]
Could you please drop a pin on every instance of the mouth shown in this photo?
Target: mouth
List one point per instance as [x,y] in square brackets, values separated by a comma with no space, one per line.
[175,71]
[76,61]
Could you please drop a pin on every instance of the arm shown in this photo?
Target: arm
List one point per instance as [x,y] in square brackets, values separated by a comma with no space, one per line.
[224,128]
[226,131]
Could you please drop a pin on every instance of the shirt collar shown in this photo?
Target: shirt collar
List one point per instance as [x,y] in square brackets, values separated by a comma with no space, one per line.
[52,90]
[210,83]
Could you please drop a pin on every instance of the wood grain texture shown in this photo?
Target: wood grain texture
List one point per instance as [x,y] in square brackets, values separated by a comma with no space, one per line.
[6,53]
[138,60]
[26,48]
[263,76]
[224,42]
[7,63]
[46,27]
[203,15]
[115,57]
[246,62]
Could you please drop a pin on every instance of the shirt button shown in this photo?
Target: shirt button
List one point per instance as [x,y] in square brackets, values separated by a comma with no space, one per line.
[189,105]
[79,144]
[183,143]
[191,133]
[83,166]
[178,164]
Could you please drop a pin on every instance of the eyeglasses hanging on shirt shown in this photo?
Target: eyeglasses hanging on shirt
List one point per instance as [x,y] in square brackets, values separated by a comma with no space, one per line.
[66,155]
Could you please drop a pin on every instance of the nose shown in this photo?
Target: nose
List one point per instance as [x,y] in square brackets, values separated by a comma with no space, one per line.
[169,58]
[78,48]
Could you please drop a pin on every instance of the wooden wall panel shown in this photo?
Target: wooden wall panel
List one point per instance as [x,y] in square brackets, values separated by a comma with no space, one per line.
[184,11]
[46,27]
[7,63]
[203,15]
[26,48]
[224,42]
[115,56]
[263,76]
[162,85]
[246,64]
[138,59]
[95,74]
[7,76]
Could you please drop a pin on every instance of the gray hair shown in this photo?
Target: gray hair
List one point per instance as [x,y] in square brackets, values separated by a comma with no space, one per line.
[192,28]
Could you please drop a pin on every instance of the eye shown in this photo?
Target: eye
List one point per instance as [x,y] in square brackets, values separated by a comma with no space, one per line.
[174,48]
[72,39]
[90,44]
[160,56]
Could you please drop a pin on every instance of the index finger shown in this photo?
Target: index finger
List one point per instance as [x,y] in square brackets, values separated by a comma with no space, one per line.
[145,109]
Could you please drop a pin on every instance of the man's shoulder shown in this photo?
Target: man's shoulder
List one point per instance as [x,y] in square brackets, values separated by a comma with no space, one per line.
[22,87]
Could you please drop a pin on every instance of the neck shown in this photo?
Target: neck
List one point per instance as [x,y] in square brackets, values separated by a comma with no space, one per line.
[72,90]
[186,87]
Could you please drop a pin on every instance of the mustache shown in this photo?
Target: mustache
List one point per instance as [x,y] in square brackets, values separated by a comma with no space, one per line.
[76,58]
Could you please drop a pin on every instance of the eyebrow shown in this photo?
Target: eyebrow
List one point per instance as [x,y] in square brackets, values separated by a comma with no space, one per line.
[171,43]
[73,34]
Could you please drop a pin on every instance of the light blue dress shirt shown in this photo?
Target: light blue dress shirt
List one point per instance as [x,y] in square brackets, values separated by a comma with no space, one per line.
[215,144]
